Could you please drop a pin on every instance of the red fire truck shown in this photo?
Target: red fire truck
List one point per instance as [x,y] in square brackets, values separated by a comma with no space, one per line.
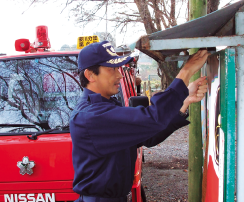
[38,91]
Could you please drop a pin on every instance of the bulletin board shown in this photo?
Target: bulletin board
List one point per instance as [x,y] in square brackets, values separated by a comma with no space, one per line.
[218,128]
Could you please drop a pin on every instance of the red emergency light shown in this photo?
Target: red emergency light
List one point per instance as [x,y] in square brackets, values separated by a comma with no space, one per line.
[41,43]
[42,40]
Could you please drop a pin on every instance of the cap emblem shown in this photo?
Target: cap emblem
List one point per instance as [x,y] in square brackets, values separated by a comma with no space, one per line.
[106,45]
[117,60]
[111,51]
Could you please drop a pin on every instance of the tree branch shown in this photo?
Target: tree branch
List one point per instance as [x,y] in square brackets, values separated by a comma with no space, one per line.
[145,15]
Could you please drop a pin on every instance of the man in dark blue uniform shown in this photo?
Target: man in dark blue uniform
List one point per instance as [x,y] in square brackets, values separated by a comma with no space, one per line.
[106,136]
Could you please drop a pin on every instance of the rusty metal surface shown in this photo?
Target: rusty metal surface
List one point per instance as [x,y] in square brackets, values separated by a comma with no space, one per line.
[198,42]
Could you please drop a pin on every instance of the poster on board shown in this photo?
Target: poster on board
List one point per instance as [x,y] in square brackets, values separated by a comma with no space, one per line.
[213,136]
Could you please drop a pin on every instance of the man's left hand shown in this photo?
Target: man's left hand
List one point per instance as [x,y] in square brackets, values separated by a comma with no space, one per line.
[197,90]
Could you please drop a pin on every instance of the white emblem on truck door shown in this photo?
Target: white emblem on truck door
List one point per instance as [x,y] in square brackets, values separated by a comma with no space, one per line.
[25,166]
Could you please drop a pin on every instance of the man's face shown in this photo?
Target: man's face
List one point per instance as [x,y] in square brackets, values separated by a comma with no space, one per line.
[107,81]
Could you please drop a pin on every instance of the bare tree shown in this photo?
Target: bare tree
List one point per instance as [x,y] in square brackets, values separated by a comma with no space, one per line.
[103,36]
[213,5]
[155,15]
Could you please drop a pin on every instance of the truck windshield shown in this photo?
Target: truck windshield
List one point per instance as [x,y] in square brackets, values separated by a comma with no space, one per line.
[40,92]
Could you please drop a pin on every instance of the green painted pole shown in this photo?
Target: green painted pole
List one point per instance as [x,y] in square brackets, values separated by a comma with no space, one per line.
[197,9]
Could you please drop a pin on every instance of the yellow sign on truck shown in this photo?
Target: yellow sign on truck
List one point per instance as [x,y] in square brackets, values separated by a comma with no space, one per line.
[84,41]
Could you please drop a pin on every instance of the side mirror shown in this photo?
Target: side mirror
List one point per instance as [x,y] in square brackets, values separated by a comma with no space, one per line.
[138,100]
[22,45]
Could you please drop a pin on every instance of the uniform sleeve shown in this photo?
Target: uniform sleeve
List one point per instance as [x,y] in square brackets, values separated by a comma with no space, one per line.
[113,128]
[176,123]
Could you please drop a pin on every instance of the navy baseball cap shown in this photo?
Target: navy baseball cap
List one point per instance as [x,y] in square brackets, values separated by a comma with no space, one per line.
[101,53]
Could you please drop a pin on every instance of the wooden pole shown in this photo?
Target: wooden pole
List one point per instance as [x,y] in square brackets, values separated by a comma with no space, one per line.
[197,9]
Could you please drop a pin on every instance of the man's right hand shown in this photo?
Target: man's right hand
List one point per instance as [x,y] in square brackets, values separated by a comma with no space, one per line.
[194,63]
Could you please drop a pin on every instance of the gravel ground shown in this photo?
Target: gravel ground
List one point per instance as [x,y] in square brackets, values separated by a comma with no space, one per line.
[164,173]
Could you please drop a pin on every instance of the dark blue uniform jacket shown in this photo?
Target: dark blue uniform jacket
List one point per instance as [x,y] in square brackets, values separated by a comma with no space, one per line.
[105,137]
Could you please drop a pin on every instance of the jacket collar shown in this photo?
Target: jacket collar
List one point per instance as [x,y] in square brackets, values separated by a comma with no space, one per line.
[96,97]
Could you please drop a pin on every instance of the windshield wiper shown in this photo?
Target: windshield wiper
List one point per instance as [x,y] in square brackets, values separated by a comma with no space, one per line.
[17,125]
[34,136]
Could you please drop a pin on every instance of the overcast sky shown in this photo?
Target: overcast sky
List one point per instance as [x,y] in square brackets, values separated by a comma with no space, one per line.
[15,25]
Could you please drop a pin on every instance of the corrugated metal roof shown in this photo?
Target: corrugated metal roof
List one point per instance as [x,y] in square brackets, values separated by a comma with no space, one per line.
[218,23]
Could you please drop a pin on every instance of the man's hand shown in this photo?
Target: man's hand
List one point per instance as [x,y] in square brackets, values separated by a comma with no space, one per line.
[200,86]
[197,90]
[194,63]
